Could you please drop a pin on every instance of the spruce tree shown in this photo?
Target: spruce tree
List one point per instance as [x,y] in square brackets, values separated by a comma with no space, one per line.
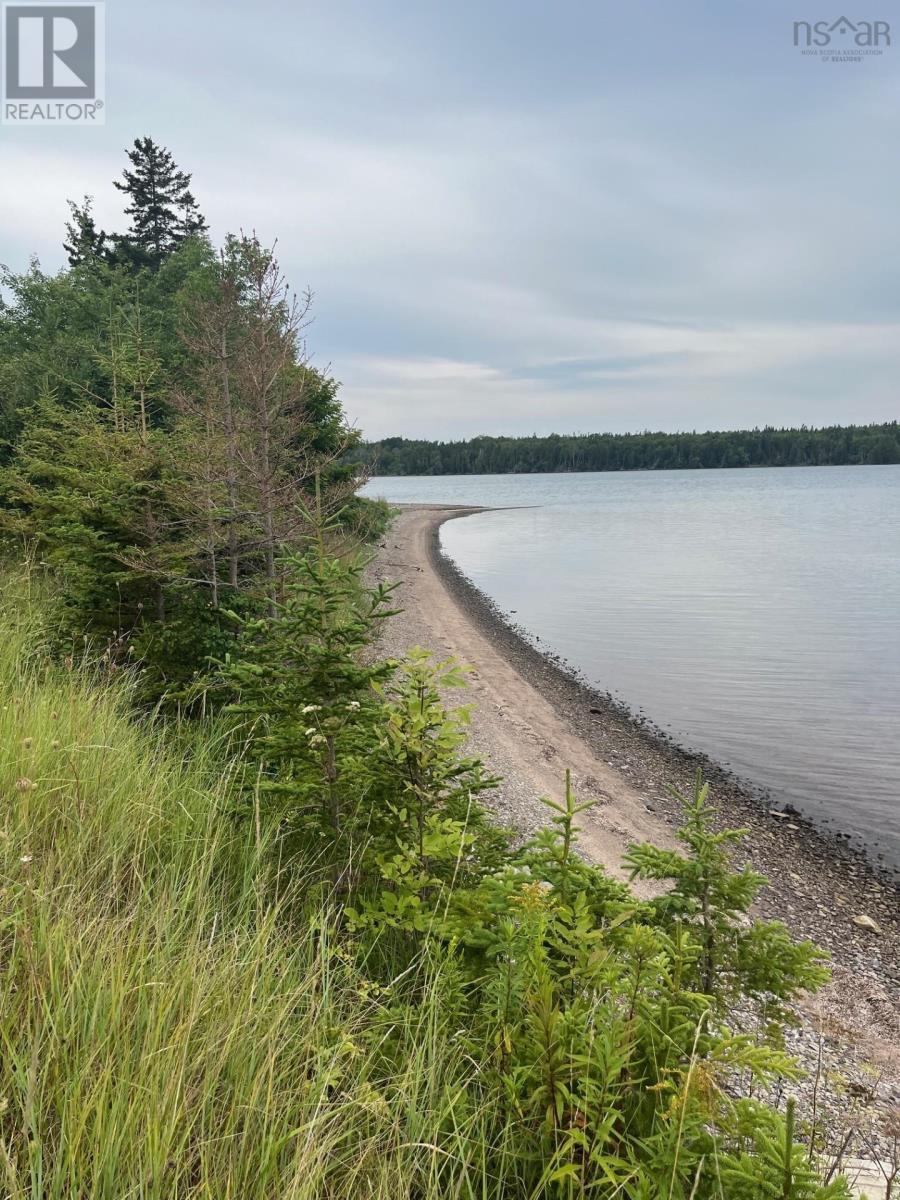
[85,243]
[162,209]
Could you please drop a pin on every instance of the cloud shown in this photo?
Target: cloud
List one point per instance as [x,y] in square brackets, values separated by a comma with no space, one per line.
[650,372]
[527,216]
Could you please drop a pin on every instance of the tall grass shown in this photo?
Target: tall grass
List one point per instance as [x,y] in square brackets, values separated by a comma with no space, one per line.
[165,1029]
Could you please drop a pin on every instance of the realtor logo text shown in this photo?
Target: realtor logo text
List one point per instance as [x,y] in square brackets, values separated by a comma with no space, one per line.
[53,64]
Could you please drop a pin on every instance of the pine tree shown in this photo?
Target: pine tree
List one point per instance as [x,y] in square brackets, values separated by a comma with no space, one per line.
[162,209]
[85,243]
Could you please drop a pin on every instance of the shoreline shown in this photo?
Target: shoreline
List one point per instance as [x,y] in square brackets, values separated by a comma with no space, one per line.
[573,688]
[533,717]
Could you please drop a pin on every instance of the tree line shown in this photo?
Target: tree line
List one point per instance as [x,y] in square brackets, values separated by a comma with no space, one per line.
[769,447]
[163,435]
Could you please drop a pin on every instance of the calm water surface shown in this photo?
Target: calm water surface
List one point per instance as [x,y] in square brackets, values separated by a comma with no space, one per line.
[753,614]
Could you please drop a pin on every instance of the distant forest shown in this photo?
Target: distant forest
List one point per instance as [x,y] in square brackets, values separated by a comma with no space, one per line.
[769,447]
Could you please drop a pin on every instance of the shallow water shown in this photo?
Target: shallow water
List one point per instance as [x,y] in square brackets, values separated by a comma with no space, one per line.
[754,615]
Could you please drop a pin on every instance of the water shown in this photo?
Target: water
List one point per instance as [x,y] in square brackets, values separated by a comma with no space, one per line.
[755,615]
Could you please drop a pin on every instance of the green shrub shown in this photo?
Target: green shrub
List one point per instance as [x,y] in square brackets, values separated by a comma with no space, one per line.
[737,957]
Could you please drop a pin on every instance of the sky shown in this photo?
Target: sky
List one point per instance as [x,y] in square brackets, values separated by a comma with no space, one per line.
[522,217]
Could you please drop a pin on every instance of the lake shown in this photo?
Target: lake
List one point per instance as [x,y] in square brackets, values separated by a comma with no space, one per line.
[752,614]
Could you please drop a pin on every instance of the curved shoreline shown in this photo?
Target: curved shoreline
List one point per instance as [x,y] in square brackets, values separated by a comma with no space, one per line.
[578,695]
[532,711]
[750,803]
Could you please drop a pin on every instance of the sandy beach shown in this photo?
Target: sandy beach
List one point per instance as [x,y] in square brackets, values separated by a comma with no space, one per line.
[534,718]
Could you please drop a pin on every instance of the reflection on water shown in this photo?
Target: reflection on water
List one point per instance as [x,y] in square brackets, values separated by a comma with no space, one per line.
[754,614]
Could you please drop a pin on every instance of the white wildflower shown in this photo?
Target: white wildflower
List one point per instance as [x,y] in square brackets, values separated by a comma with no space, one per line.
[316,740]
[311,708]
[353,706]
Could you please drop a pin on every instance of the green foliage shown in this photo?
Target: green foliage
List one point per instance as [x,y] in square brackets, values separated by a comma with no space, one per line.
[752,1175]
[552,857]
[86,243]
[597,1021]
[304,695]
[366,520]
[163,211]
[181,1017]
[647,451]
[79,490]
[96,493]
[357,758]
[426,837]
[738,957]
[59,332]
[610,1062]
[161,432]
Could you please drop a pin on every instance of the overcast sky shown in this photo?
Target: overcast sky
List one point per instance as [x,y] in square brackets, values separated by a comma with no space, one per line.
[521,216]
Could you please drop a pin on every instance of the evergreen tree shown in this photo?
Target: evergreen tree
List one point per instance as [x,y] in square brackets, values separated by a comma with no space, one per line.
[162,209]
[257,407]
[738,957]
[305,696]
[85,242]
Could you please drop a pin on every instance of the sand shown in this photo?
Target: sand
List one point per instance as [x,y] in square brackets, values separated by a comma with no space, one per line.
[517,727]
